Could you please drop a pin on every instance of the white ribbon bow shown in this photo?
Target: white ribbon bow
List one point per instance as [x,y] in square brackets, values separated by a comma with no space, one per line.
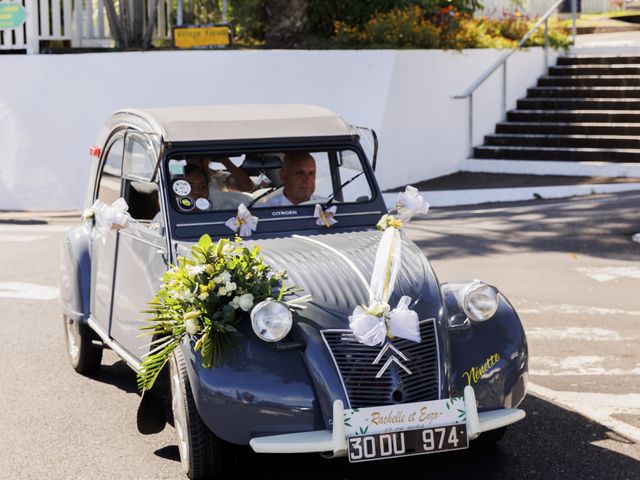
[325,217]
[244,224]
[403,322]
[410,203]
[113,216]
[370,325]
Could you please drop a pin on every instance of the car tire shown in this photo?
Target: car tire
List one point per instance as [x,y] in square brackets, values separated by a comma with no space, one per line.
[79,337]
[200,450]
[490,438]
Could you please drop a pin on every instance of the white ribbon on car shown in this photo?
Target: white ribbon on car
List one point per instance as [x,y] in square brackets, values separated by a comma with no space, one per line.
[325,217]
[113,217]
[372,324]
[244,224]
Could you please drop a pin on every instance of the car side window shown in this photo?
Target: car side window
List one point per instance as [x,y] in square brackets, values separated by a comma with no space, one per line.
[139,162]
[109,183]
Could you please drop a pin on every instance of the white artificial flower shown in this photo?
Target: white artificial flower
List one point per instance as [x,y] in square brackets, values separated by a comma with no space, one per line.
[203,296]
[224,277]
[191,325]
[194,270]
[246,302]
[230,286]
[235,303]
[222,292]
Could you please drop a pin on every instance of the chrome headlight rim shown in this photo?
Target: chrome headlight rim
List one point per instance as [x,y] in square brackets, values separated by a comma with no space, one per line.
[475,288]
[259,324]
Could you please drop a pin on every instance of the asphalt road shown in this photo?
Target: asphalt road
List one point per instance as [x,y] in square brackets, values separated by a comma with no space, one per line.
[569,267]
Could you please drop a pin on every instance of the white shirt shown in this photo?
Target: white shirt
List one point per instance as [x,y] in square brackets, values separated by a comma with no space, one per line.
[280,200]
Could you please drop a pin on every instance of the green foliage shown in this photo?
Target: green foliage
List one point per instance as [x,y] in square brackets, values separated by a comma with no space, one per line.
[206,296]
[250,20]
[446,28]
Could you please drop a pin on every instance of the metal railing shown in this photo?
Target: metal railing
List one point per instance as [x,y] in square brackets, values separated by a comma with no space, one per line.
[502,62]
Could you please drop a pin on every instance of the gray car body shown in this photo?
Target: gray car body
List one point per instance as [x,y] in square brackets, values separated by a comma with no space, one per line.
[289,386]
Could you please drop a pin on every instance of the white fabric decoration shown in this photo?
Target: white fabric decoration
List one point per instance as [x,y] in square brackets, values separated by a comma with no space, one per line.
[244,224]
[411,203]
[113,216]
[325,217]
[371,325]
[386,266]
[403,322]
[368,329]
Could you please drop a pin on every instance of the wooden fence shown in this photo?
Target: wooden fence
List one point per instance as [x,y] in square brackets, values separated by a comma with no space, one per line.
[82,22]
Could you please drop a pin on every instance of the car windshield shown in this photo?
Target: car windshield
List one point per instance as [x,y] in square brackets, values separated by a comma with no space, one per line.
[200,183]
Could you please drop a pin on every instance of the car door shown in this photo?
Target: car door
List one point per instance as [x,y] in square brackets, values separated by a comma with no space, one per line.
[104,244]
[142,252]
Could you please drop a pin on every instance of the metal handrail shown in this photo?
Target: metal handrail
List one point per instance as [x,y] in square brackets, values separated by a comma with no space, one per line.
[502,62]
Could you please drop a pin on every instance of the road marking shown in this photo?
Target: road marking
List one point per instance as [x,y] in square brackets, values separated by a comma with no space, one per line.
[575,333]
[568,309]
[29,291]
[34,228]
[599,407]
[580,365]
[606,274]
[21,238]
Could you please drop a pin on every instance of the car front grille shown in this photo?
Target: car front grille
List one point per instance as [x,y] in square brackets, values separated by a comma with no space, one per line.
[355,364]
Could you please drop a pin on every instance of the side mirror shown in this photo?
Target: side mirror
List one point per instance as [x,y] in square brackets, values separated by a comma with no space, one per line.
[369,142]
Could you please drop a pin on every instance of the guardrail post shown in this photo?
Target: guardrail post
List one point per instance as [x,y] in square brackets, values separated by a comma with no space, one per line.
[504,89]
[33,38]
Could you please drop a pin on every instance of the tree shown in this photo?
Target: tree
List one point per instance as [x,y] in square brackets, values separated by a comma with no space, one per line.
[128,27]
[287,22]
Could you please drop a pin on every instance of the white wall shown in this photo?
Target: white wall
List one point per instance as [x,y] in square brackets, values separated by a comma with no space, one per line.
[52,106]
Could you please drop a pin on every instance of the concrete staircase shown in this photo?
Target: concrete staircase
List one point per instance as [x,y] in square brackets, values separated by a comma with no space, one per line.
[583,118]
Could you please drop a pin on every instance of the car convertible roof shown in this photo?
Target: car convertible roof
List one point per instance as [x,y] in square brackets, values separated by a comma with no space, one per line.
[238,122]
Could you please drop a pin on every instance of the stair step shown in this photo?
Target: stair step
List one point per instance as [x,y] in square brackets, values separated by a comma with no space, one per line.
[558,154]
[577,128]
[598,59]
[570,141]
[616,116]
[588,80]
[579,104]
[583,92]
[566,70]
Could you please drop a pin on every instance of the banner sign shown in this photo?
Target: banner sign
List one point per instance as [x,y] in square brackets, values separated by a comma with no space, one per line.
[202,36]
[12,15]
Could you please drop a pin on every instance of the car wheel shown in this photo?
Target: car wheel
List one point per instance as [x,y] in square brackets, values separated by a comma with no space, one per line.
[200,450]
[490,438]
[84,355]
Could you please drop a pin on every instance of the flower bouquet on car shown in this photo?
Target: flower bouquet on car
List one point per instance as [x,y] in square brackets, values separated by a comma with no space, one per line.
[206,296]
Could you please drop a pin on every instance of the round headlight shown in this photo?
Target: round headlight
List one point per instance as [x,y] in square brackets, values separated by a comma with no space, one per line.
[479,301]
[271,320]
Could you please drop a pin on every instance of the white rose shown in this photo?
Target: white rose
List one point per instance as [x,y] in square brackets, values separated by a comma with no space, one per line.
[222,292]
[191,325]
[226,276]
[230,286]
[203,296]
[246,302]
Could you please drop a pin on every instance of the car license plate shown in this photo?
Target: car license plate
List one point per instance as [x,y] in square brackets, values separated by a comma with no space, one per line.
[362,448]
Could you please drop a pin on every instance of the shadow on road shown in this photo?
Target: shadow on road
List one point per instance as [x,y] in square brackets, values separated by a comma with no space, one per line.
[598,227]
[551,443]
[117,374]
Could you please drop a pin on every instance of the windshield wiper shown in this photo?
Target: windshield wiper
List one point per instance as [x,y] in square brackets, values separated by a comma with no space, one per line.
[339,189]
[264,194]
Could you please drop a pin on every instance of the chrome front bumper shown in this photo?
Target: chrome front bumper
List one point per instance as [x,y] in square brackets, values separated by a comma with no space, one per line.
[335,442]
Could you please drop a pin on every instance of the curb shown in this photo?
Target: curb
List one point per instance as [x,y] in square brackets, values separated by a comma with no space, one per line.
[551,167]
[451,198]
